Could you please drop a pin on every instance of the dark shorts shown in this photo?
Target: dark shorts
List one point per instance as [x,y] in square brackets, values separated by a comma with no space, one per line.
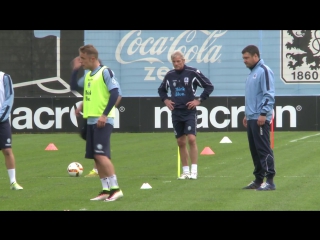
[5,134]
[184,122]
[98,140]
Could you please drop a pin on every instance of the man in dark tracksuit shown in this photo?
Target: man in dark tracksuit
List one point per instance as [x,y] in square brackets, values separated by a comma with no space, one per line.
[259,102]
[183,82]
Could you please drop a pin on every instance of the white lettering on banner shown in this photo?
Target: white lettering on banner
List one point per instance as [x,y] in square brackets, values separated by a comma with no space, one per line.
[235,112]
[59,113]
[37,121]
[207,52]
[149,74]
[26,116]
[135,45]
[157,116]
[213,114]
[148,50]
[293,115]
[205,117]
[161,72]
[23,117]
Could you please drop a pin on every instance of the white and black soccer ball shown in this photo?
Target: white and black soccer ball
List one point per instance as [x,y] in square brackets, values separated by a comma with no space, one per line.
[75,169]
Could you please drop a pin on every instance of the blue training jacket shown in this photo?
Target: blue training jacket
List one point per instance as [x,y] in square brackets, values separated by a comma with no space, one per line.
[6,96]
[259,92]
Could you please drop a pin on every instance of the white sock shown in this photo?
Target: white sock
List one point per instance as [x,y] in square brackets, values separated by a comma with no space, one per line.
[186,169]
[12,175]
[113,182]
[105,183]
[194,168]
[96,170]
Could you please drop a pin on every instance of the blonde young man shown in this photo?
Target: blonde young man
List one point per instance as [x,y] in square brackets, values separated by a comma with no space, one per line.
[74,84]
[94,170]
[6,103]
[99,98]
[183,82]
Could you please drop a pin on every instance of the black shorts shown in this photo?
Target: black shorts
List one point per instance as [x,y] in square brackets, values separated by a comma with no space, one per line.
[5,134]
[184,122]
[98,140]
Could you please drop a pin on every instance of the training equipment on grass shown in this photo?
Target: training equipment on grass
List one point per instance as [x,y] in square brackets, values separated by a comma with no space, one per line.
[75,169]
[51,147]
[207,151]
[178,162]
[225,140]
[146,186]
[272,132]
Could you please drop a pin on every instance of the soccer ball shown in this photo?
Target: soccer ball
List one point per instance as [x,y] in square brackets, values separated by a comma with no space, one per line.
[75,169]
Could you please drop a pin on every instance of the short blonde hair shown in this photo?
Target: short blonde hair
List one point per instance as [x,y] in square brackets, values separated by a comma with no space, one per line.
[89,49]
[177,53]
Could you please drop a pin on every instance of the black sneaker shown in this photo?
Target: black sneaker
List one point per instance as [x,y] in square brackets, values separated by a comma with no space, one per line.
[266,187]
[252,185]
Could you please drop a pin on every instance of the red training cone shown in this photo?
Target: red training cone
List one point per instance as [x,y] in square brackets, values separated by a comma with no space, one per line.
[207,151]
[51,146]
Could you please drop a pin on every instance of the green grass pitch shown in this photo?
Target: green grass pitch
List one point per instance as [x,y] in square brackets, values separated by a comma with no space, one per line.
[152,158]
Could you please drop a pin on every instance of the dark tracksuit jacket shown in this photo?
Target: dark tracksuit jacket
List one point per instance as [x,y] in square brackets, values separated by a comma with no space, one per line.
[183,85]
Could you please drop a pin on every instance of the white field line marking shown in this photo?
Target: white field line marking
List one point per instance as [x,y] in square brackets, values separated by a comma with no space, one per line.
[295,140]
[39,82]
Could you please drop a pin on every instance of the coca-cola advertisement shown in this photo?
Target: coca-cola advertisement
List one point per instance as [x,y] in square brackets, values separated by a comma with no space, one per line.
[39,62]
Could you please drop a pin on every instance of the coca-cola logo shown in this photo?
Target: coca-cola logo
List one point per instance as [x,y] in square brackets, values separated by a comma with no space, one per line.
[134,47]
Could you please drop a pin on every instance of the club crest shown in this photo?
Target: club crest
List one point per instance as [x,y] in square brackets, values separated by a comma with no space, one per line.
[300,56]
[186,81]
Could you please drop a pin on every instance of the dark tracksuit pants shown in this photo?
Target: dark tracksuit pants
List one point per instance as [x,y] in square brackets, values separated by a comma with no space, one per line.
[261,152]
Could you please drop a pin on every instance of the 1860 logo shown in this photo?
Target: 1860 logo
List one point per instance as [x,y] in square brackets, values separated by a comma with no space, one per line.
[300,56]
